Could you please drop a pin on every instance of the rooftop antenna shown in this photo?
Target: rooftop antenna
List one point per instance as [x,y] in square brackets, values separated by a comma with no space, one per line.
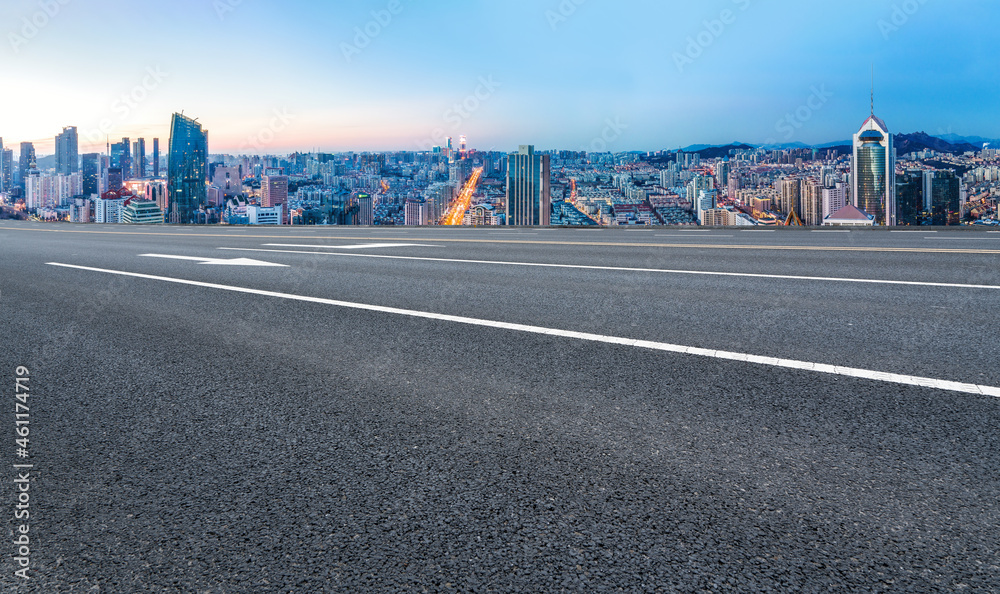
[873,90]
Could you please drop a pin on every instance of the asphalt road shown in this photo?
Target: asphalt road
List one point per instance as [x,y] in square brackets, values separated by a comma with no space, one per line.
[471,413]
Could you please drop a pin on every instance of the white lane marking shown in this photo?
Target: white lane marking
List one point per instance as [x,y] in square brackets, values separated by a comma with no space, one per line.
[365,246]
[689,236]
[627,269]
[759,231]
[216,261]
[831,231]
[963,238]
[894,378]
[912,231]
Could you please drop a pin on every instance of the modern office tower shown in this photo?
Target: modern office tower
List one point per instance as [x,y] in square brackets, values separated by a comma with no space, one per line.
[3,184]
[156,157]
[187,169]
[26,162]
[273,190]
[834,199]
[529,194]
[121,158]
[7,169]
[115,179]
[91,173]
[946,198]
[68,151]
[366,210]
[139,158]
[910,206]
[873,171]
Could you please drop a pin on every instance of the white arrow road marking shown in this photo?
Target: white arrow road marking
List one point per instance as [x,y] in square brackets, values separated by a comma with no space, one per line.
[216,261]
[363,246]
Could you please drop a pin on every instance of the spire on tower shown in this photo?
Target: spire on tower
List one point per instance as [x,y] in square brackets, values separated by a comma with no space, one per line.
[873,89]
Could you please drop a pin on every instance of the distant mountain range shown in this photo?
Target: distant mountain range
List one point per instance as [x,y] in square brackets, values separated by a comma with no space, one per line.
[905,144]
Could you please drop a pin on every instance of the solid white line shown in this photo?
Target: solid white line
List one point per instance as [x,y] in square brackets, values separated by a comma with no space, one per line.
[759,231]
[644,344]
[689,236]
[963,238]
[627,269]
[825,231]
[364,246]
[912,231]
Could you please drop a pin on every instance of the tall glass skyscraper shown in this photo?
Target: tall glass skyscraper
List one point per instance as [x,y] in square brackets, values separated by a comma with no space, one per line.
[92,173]
[26,162]
[187,169]
[68,151]
[873,171]
[529,197]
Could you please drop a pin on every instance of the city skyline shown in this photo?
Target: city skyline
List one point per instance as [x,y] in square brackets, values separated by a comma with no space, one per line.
[559,75]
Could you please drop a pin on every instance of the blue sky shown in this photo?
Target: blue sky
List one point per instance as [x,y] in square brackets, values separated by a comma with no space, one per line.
[269,76]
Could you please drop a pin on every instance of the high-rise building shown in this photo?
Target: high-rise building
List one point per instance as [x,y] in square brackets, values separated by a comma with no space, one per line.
[68,151]
[415,213]
[273,190]
[811,203]
[873,171]
[121,158]
[834,199]
[156,157]
[25,163]
[3,185]
[791,196]
[187,169]
[7,169]
[366,210]
[91,173]
[115,179]
[228,181]
[946,198]
[529,194]
[910,206]
[139,158]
